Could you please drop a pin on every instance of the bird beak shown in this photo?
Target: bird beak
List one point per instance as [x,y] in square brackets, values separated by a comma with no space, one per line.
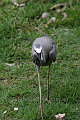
[39,57]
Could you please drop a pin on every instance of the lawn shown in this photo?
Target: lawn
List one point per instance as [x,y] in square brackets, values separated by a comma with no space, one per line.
[19,27]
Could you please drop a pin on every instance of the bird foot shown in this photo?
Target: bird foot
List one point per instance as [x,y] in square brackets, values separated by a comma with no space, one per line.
[48,101]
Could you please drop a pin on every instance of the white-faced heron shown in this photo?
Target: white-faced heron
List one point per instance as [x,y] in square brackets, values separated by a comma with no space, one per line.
[43,54]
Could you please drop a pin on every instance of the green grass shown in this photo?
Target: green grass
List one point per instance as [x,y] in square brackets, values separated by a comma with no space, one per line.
[18,84]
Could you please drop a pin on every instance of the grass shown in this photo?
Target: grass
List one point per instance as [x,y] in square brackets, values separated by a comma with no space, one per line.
[18,84]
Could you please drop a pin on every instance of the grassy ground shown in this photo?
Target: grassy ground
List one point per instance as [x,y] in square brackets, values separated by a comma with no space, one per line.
[18,83]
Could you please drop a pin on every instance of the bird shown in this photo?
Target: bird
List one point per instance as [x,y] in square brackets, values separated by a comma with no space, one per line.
[43,54]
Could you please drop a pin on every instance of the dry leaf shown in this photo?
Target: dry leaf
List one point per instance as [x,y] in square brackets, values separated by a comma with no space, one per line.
[64,15]
[10,64]
[15,109]
[53,19]
[5,112]
[18,5]
[5,81]
[58,11]
[57,6]
[63,9]
[45,15]
[54,34]
[21,5]
[60,116]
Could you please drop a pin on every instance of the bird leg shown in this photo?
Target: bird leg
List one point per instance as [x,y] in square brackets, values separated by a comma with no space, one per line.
[48,85]
[41,107]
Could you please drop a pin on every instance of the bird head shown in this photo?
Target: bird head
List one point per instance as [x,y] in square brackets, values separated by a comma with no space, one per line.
[38,48]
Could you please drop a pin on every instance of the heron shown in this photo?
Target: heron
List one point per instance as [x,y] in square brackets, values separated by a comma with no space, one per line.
[43,54]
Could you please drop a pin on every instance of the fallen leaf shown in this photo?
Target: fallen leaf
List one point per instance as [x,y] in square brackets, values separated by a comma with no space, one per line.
[63,9]
[5,81]
[15,109]
[21,5]
[58,11]
[60,116]
[5,112]
[39,30]
[64,15]
[54,34]
[53,19]
[18,5]
[57,6]
[45,15]
[10,64]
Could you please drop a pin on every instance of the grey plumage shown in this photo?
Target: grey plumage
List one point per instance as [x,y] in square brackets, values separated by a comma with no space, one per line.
[48,51]
[43,54]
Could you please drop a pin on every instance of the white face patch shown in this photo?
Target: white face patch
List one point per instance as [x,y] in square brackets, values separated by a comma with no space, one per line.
[38,50]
